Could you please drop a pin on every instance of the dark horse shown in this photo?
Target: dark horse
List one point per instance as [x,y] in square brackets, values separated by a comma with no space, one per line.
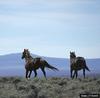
[32,64]
[77,63]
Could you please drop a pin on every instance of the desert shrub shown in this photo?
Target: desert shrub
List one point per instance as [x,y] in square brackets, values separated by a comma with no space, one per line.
[62,83]
[98,81]
[4,79]
[98,89]
[42,94]
[32,94]
[82,87]
[32,86]
[16,81]
[21,87]
[36,80]
[17,87]
[13,96]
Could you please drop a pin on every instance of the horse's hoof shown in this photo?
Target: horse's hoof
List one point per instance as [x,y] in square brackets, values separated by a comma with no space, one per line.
[28,78]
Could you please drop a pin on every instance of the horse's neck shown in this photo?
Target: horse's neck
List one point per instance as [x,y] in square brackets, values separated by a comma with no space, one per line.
[72,60]
[28,59]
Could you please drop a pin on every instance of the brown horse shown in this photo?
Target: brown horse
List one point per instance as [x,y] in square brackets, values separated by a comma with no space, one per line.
[32,64]
[77,63]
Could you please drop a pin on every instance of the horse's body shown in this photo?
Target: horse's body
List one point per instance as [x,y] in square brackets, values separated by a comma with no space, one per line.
[76,64]
[32,64]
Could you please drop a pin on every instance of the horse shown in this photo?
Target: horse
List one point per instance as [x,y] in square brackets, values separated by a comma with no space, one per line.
[76,64]
[33,64]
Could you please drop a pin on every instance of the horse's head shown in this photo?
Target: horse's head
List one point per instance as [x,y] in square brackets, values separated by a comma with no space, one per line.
[72,55]
[25,53]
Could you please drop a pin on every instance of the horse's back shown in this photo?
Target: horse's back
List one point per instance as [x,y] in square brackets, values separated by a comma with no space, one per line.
[80,62]
[80,58]
[36,60]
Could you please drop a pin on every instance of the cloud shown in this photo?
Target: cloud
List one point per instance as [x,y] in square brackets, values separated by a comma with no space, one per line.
[53,10]
[11,45]
[42,17]
[35,44]
[87,52]
[15,2]
[45,3]
[48,2]
[46,25]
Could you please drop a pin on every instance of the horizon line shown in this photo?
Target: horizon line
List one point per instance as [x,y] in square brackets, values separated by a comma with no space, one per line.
[46,56]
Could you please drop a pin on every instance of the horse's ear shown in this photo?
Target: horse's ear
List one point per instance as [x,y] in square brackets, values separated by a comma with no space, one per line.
[74,53]
[70,52]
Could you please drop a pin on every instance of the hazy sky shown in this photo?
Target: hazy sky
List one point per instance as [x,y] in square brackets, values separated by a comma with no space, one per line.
[50,27]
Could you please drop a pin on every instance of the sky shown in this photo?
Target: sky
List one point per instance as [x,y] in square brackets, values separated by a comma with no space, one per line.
[50,28]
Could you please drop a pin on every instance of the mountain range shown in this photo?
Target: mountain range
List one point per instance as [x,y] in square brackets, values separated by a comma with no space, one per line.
[13,65]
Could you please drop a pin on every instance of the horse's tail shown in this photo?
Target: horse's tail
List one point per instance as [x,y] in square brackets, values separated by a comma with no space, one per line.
[86,67]
[49,66]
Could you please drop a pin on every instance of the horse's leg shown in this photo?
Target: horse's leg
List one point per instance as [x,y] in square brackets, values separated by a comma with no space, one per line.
[30,73]
[26,73]
[43,72]
[71,72]
[76,74]
[35,72]
[84,72]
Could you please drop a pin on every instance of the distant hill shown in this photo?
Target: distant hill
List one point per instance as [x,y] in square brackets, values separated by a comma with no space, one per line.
[12,64]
